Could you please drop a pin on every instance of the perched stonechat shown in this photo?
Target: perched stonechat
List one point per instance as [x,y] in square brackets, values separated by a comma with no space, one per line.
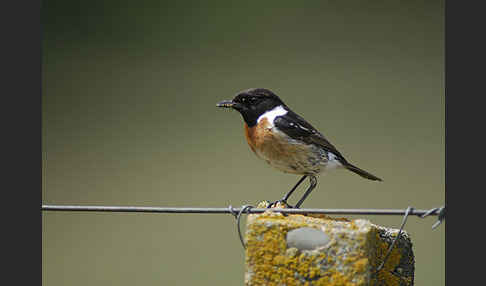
[285,140]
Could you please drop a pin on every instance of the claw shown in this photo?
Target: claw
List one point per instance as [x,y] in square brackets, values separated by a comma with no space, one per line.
[280,204]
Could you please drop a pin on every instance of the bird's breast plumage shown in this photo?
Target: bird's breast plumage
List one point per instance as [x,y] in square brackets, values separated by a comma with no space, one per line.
[282,152]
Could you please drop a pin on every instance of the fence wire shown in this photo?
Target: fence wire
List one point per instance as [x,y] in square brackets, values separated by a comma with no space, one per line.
[237,213]
[231,210]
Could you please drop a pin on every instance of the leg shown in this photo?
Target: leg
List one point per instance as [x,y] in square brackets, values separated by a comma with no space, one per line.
[313,184]
[287,195]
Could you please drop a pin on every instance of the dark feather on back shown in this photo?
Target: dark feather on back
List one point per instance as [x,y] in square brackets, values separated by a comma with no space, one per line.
[297,128]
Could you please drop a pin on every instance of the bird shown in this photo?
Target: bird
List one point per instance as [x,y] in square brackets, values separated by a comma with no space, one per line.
[286,141]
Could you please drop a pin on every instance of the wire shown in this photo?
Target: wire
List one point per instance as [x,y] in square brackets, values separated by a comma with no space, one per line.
[231,210]
[237,212]
[407,212]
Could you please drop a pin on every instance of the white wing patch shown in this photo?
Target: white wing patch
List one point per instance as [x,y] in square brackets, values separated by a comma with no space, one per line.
[272,114]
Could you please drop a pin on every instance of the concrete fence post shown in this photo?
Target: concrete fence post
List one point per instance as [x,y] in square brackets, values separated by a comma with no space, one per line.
[320,250]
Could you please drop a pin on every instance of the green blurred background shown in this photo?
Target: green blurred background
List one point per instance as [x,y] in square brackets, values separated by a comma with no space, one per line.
[129,118]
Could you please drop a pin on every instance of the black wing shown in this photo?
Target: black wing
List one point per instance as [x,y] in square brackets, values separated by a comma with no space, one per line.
[297,128]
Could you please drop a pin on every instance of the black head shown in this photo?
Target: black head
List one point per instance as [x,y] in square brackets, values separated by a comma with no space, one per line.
[252,103]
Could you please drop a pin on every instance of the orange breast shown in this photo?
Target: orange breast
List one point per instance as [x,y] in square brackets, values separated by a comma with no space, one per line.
[277,150]
[262,141]
[268,144]
[253,136]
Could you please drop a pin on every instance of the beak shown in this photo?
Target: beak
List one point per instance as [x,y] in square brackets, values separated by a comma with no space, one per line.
[226,104]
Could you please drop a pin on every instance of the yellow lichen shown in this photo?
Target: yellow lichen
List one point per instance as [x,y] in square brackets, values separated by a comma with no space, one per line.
[271,263]
[267,256]
[385,276]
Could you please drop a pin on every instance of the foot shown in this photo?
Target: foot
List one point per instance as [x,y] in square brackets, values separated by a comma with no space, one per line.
[280,204]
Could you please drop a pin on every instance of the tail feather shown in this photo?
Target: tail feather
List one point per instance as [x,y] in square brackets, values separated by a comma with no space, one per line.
[362,173]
